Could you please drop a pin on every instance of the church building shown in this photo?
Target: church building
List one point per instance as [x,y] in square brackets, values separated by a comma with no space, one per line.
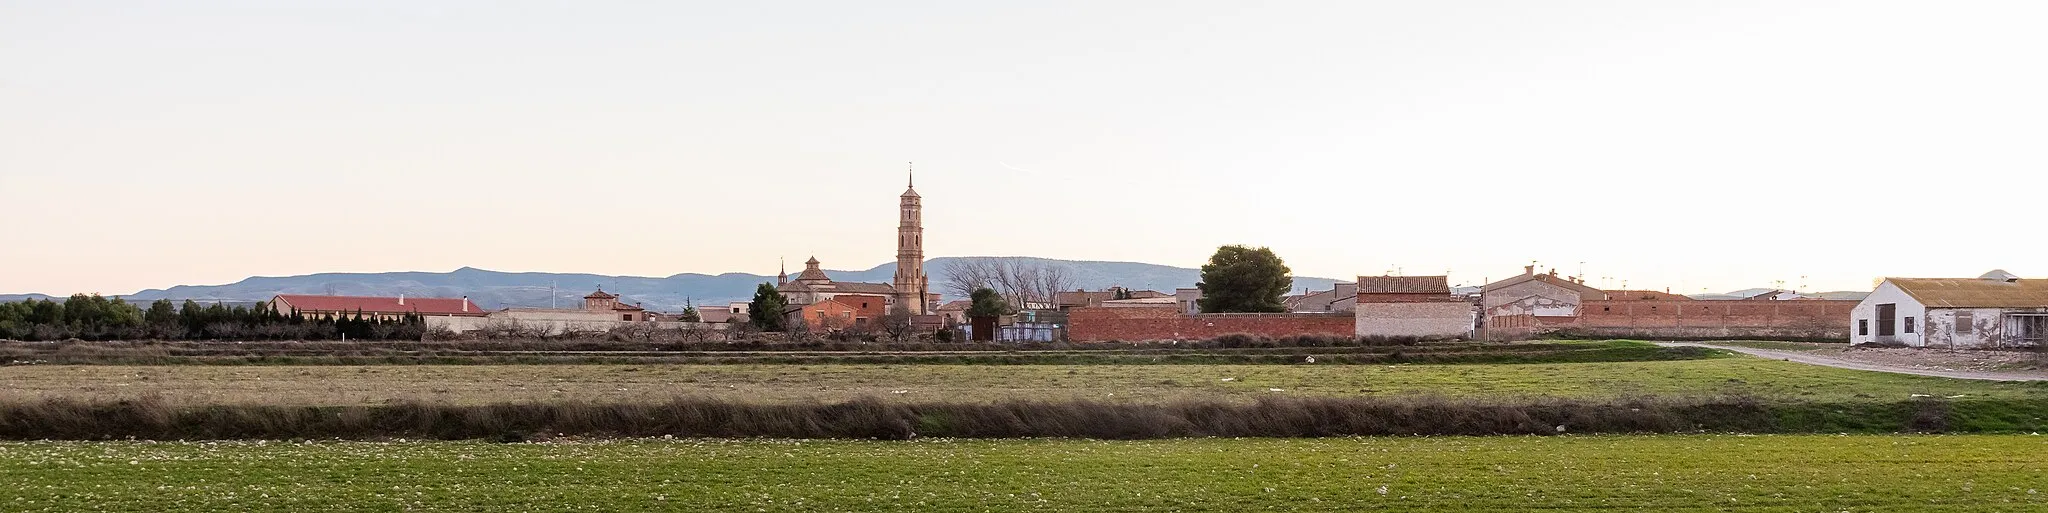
[910,289]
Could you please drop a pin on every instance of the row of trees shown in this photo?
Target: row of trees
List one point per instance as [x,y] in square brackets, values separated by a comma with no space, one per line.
[92,317]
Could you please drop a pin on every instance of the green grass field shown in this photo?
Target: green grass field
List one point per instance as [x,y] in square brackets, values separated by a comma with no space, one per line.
[478,384]
[1809,347]
[1650,473]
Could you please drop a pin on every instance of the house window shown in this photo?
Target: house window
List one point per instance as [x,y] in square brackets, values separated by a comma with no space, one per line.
[626,317]
[1863,327]
[1909,325]
[1965,322]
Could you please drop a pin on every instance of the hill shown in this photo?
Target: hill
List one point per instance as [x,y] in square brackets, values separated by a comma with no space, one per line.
[498,289]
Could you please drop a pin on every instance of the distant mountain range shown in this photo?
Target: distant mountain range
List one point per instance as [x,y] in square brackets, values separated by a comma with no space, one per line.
[495,289]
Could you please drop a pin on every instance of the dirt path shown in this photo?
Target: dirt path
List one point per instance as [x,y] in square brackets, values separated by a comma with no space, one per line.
[1827,361]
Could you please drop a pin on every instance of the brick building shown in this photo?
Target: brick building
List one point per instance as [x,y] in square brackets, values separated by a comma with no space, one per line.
[1410,307]
[910,290]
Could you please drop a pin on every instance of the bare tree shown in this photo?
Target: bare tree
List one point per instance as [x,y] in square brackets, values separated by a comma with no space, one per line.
[1049,281]
[897,324]
[1021,282]
[963,276]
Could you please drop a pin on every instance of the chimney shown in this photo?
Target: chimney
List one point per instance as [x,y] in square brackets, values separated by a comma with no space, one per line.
[401,299]
[465,303]
[1529,270]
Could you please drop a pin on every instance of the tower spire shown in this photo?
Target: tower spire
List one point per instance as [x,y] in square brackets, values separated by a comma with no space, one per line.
[911,170]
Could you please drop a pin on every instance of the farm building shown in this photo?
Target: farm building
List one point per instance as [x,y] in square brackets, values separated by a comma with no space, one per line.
[1537,294]
[1410,306]
[1996,310]
[384,308]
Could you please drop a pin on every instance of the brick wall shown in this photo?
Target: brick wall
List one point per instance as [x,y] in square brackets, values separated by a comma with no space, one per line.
[1803,319]
[1134,324]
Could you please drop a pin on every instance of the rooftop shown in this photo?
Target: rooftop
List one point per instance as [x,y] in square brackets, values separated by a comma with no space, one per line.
[1975,292]
[383,305]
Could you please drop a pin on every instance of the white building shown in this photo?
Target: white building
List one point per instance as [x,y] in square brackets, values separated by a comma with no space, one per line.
[1996,310]
[1189,299]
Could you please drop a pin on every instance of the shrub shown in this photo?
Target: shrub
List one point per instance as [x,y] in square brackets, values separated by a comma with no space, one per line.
[156,419]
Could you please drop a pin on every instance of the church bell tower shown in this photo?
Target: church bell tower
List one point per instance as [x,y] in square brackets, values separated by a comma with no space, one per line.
[910,283]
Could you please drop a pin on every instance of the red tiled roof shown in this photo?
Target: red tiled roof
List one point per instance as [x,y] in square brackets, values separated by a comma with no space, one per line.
[1404,285]
[382,305]
[854,287]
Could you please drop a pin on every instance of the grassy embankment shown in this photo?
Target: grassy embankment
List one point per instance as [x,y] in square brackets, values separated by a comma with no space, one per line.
[1578,473]
[589,352]
[479,384]
[900,401]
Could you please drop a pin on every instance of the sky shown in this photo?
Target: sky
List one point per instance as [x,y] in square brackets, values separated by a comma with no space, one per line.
[1682,145]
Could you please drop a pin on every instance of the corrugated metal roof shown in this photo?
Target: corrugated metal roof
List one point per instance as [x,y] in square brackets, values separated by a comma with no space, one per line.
[1975,293]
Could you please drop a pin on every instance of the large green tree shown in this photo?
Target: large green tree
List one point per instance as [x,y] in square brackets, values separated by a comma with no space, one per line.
[766,310]
[1244,279]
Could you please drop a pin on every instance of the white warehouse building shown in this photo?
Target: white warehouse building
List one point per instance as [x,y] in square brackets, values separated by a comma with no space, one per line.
[1996,310]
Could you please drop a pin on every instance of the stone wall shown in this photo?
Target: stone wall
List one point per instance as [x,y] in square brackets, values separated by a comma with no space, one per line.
[1099,324]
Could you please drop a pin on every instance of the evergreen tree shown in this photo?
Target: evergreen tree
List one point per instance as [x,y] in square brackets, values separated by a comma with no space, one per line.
[986,302]
[161,313]
[1244,279]
[765,312]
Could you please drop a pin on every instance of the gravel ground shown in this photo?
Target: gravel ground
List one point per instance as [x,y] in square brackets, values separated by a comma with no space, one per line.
[1964,364]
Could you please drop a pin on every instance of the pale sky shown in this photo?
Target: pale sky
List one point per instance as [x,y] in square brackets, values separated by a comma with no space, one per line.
[1711,145]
